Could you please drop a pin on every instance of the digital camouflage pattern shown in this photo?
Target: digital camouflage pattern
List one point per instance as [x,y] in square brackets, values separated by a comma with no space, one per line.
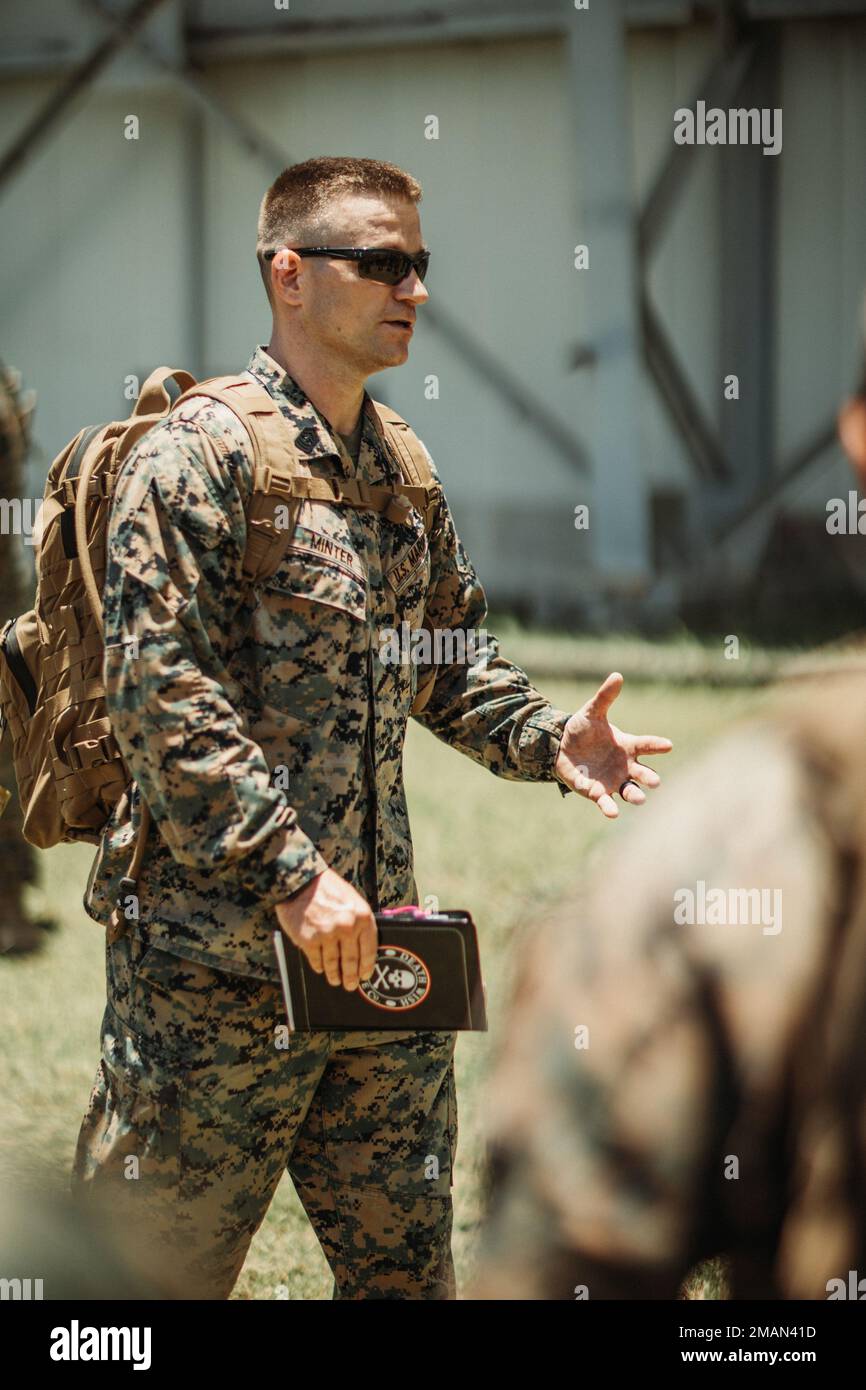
[200,1103]
[716,1103]
[219,691]
[17,859]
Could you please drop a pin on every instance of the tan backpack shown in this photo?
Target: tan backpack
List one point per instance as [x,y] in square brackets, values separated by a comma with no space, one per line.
[68,767]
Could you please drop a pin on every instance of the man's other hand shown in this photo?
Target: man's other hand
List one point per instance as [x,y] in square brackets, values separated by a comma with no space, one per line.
[596,759]
[334,927]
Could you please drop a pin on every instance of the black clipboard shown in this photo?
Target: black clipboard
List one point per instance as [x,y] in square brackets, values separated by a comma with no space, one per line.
[427,975]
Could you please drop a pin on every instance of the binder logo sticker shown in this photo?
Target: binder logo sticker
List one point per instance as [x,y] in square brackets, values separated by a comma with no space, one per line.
[400,980]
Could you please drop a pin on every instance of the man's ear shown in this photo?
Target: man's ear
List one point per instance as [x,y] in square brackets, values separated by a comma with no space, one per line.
[286,287]
[851,424]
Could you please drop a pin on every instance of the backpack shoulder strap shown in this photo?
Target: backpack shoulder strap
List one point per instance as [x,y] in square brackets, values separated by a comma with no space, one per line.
[412,458]
[414,462]
[410,452]
[273,446]
[282,477]
[278,468]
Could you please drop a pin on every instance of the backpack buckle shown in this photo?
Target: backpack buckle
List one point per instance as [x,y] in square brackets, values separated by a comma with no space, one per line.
[262,477]
[399,510]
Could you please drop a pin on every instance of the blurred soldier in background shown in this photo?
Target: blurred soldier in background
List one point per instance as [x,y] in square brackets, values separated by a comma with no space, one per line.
[684,1071]
[18,933]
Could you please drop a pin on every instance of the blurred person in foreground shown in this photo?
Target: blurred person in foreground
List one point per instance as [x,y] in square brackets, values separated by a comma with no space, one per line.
[684,1071]
[52,1248]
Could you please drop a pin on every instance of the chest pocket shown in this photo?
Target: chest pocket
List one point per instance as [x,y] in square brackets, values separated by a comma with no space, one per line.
[306,644]
[314,579]
[322,564]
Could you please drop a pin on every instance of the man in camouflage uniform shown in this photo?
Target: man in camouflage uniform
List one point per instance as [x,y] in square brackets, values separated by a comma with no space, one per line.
[683,1073]
[212,688]
[17,861]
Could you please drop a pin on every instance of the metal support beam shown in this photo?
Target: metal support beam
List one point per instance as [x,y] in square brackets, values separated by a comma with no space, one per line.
[749,196]
[598,80]
[718,87]
[746,70]
[189,81]
[125,27]
[675,390]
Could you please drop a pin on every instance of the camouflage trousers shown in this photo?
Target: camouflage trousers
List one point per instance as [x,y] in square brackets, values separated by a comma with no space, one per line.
[196,1111]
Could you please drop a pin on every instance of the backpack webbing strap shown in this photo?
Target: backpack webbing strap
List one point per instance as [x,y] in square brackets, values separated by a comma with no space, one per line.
[259,413]
[70,654]
[92,588]
[411,457]
[280,468]
[66,494]
[414,464]
[155,398]
[353,492]
[410,452]
[133,432]
[129,882]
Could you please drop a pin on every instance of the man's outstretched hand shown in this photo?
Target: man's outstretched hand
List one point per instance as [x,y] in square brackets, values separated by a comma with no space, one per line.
[598,760]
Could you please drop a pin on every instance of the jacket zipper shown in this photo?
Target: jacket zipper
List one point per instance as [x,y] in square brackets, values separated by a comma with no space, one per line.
[371,773]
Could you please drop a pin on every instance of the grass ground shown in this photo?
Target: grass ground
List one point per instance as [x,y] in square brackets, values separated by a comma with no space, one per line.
[502,849]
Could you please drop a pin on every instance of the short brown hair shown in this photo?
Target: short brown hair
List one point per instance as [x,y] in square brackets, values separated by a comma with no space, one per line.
[295,207]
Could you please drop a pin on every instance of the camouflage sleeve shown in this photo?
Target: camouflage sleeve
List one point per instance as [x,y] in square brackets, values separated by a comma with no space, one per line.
[484,706]
[173,591]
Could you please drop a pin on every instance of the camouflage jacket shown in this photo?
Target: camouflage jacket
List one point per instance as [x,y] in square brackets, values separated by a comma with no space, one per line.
[684,1069]
[261,723]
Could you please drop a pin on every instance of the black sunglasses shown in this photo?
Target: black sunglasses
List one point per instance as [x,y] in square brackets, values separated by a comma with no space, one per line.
[374,263]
